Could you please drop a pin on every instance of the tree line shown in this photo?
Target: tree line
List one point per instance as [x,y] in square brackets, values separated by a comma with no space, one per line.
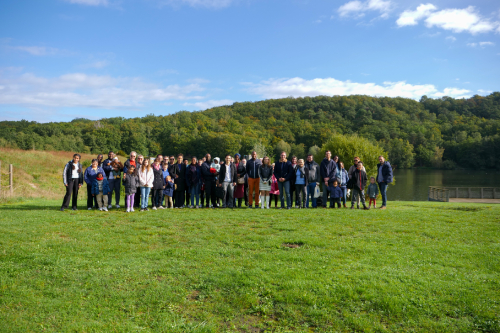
[440,133]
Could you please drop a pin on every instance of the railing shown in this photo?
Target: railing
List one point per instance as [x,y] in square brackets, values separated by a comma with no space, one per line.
[437,193]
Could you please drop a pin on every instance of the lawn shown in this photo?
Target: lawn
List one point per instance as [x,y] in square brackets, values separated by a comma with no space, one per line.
[416,267]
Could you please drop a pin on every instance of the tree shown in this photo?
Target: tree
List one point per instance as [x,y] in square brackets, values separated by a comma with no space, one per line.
[282,146]
[400,153]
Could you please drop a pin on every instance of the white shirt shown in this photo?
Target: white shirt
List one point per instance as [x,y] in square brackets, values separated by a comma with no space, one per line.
[74,172]
[227,178]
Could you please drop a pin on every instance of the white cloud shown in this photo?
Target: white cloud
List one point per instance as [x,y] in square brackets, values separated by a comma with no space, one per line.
[93,91]
[199,3]
[486,43]
[451,38]
[90,2]
[456,20]
[298,87]
[357,8]
[210,104]
[472,44]
[39,50]
[484,92]
[97,64]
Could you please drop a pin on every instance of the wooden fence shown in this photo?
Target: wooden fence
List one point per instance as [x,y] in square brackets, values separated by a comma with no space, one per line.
[439,193]
[11,179]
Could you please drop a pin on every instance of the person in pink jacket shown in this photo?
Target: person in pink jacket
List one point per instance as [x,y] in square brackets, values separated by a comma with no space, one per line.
[274,190]
[146,177]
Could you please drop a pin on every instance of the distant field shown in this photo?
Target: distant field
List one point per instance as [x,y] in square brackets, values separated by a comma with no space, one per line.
[417,267]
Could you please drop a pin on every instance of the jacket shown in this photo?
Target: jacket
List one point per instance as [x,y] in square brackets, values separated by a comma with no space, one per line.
[386,172]
[304,171]
[169,188]
[352,169]
[328,169]
[283,170]
[146,177]
[335,192]
[68,170]
[313,174]
[158,179]
[180,181]
[127,164]
[252,168]
[360,177]
[205,171]
[190,177]
[105,187]
[223,170]
[107,168]
[90,175]
[372,190]
[343,177]
[131,183]
[241,170]
[265,173]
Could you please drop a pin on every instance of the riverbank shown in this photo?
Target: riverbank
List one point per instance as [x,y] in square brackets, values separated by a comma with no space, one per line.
[418,266]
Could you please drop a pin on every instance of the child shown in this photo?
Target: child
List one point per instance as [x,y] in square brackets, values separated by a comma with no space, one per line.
[164,166]
[335,194]
[215,165]
[131,183]
[168,192]
[372,192]
[358,189]
[275,191]
[100,189]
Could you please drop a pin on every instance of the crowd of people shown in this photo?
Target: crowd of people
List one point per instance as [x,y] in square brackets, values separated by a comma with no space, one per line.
[198,183]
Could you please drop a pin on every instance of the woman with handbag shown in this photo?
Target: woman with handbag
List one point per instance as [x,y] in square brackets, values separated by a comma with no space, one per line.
[265,175]
[239,190]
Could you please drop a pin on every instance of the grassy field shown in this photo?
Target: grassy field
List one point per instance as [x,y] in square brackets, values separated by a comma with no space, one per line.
[417,267]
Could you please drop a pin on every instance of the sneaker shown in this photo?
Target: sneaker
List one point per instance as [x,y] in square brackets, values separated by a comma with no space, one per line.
[161,207]
[366,208]
[288,207]
[383,207]
[110,206]
[146,209]
[191,206]
[132,209]
[262,207]
[198,207]
[62,209]
[117,206]
[89,208]
[154,208]
[128,210]
[142,209]
[100,209]
[105,209]
[74,209]
[352,207]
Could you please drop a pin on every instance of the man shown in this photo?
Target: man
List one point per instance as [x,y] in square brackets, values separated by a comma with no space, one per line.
[313,179]
[252,168]
[180,181]
[384,178]
[227,180]
[106,166]
[292,182]
[328,172]
[283,171]
[245,188]
[187,193]
[172,171]
[209,181]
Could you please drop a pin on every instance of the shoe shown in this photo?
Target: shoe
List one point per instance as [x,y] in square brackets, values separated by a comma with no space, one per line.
[256,206]
[146,209]
[262,207]
[105,209]
[142,209]
[74,208]
[154,208]
[100,209]
[383,207]
[132,209]
[345,206]
[191,206]
[288,207]
[62,209]
[198,207]
[110,206]
[352,207]
[89,208]
[366,208]
[128,210]
[117,206]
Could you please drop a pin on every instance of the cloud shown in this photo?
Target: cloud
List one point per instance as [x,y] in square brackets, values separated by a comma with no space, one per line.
[481,44]
[298,87]
[40,50]
[210,104]
[456,20]
[451,38]
[91,91]
[97,64]
[357,8]
[199,3]
[89,2]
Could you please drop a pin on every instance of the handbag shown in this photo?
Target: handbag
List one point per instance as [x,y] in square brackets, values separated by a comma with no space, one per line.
[219,192]
[316,192]
[240,181]
[350,184]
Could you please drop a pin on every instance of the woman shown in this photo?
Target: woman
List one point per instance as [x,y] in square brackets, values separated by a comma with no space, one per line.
[275,191]
[89,176]
[292,183]
[193,181]
[73,180]
[265,175]
[137,197]
[301,183]
[146,178]
[344,178]
[202,185]
[239,191]
[158,184]
[336,160]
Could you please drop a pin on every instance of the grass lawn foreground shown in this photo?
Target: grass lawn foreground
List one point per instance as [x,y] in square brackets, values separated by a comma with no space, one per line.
[416,267]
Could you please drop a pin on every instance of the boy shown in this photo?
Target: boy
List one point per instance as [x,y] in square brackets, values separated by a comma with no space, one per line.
[100,189]
[335,194]
[372,192]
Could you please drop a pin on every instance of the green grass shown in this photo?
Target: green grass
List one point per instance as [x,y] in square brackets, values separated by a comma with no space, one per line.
[416,267]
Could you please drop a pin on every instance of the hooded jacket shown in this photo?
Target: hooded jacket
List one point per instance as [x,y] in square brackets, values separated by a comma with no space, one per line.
[68,170]
[105,187]
[131,183]
[372,190]
[386,172]
[360,177]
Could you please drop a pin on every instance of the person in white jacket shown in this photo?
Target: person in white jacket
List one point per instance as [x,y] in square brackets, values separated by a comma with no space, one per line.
[146,178]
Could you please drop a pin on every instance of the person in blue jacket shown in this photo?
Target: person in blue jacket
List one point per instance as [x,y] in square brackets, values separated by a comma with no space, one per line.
[344,178]
[328,171]
[384,178]
[100,190]
[283,171]
[193,180]
[89,176]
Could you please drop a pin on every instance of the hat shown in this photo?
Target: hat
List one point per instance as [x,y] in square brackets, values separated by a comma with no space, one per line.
[237,155]
[216,159]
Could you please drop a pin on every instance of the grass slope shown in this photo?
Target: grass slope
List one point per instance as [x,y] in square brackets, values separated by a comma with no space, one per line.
[417,267]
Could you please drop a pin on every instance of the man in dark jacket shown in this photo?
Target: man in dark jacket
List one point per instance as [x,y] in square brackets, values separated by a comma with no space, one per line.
[106,165]
[328,172]
[227,180]
[252,168]
[359,186]
[283,171]
[313,178]
[209,181]
[180,181]
[384,178]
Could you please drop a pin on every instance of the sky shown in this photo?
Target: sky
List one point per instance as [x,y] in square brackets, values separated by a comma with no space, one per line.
[66,59]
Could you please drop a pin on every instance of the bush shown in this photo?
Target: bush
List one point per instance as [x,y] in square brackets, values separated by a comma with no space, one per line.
[449,165]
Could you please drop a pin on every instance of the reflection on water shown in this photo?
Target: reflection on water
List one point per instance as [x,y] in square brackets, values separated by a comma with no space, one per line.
[413,184]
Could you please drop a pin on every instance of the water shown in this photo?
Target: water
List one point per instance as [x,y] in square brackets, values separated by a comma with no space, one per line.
[413,184]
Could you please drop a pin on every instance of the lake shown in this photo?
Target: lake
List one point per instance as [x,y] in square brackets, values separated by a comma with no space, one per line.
[413,184]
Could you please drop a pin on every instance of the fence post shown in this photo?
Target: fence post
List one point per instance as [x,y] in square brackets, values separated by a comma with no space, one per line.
[11,179]
[0,177]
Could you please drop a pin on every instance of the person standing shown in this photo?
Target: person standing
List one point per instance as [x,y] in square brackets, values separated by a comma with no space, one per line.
[358,189]
[114,181]
[146,178]
[252,169]
[131,161]
[245,188]
[283,171]
[202,184]
[227,180]
[239,190]
[172,170]
[180,182]
[100,189]
[352,169]
[384,178]
[158,184]
[344,178]
[209,178]
[137,197]
[89,176]
[328,172]
[100,163]
[193,182]
[301,183]
[292,183]
[187,192]
[73,181]
[131,184]
[106,166]
[265,175]
[313,179]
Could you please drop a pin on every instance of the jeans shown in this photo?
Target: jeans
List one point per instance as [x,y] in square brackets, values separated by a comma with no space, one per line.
[383,192]
[145,197]
[300,193]
[285,186]
[310,191]
[344,194]
[114,186]
[228,194]
[324,188]
[194,190]
[356,192]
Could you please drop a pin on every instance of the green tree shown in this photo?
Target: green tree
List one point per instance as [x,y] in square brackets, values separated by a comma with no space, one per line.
[282,146]
[400,153]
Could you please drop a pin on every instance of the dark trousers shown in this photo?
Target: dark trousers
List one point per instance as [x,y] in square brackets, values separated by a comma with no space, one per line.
[137,198]
[301,194]
[71,193]
[292,191]
[91,200]
[202,197]
[188,196]
[210,192]
[245,193]
[114,186]
[333,201]
[157,197]
[179,198]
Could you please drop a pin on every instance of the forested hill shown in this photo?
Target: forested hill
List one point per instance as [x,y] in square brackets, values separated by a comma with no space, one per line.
[442,132]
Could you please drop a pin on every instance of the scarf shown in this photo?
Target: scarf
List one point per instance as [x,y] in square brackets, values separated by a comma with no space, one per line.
[156,166]
[99,179]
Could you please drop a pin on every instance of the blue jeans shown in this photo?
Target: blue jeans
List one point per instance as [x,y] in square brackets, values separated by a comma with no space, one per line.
[145,197]
[383,192]
[194,190]
[310,191]
[344,194]
[285,186]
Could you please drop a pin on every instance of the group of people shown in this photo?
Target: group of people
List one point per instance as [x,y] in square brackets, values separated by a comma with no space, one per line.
[178,183]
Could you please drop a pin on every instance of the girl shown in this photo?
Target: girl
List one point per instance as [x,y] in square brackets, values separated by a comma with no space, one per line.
[193,180]
[301,183]
[89,177]
[100,189]
[343,179]
[165,173]
[169,192]
[158,184]
[73,180]
[274,189]
[146,178]
[372,192]
[239,190]
[265,175]
[131,183]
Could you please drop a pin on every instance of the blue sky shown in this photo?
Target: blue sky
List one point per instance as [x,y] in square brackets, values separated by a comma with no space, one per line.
[62,59]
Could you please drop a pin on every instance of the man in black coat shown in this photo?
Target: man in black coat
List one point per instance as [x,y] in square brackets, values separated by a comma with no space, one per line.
[227,180]
[180,181]
[209,181]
